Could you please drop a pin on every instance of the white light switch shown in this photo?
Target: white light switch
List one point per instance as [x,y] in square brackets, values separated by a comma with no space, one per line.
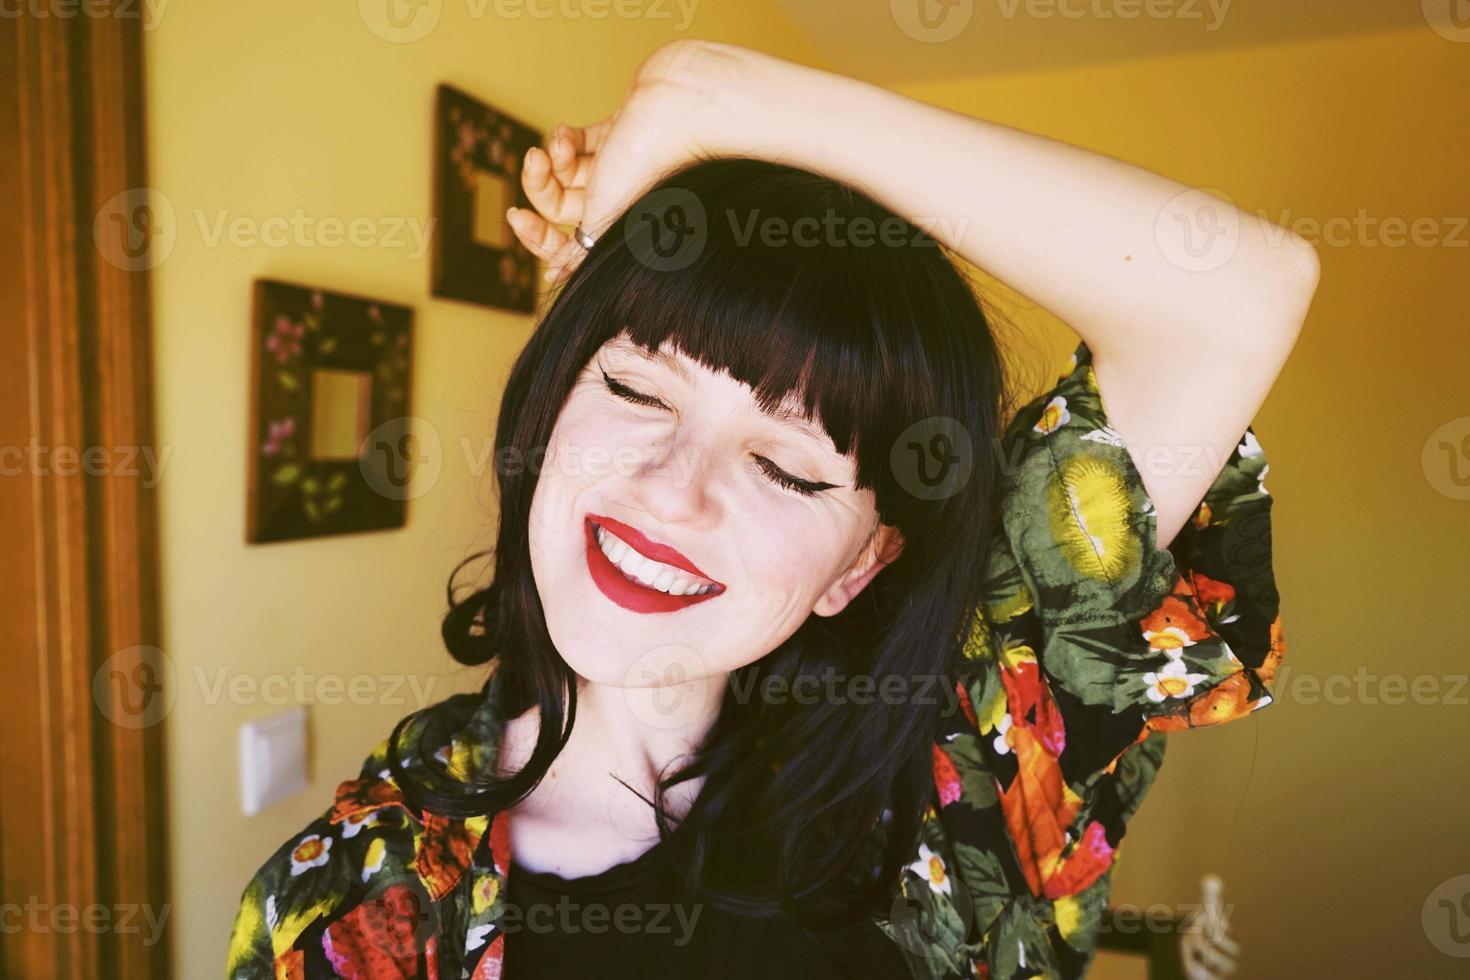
[272,759]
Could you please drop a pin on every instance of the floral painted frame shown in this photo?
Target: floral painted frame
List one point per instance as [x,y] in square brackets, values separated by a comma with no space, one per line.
[300,337]
[478,150]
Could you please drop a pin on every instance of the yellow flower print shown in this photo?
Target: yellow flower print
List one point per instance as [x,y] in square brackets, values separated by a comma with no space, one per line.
[931,868]
[1091,517]
[1174,681]
[373,863]
[487,889]
[312,852]
[1068,915]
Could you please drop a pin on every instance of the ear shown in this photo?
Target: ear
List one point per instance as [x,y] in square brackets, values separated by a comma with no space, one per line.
[884,545]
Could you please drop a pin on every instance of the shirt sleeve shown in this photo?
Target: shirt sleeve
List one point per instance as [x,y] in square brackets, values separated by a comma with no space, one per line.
[1091,642]
[1158,639]
[370,887]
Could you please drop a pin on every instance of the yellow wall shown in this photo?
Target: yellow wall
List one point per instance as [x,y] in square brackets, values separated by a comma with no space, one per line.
[259,110]
[1331,823]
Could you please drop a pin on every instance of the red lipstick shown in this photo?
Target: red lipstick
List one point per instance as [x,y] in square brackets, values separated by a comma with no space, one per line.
[625,591]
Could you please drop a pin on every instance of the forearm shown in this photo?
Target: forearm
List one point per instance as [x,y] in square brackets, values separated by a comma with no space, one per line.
[1103,244]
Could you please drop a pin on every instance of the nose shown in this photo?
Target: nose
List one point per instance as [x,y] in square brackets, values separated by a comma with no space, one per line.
[674,482]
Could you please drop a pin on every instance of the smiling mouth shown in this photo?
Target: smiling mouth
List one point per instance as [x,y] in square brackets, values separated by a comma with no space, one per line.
[642,575]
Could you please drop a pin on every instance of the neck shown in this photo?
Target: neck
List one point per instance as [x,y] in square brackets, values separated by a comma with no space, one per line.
[632,734]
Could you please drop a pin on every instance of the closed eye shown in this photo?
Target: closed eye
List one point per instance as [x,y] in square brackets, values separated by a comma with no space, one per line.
[628,394]
[776,474]
[807,488]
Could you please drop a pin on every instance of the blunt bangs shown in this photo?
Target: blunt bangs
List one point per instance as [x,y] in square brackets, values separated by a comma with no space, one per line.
[809,325]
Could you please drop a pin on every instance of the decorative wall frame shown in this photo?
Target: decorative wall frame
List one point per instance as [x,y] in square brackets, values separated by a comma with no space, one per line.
[477,175]
[330,443]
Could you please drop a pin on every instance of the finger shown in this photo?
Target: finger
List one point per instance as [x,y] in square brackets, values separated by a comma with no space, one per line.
[586,140]
[546,193]
[565,156]
[543,239]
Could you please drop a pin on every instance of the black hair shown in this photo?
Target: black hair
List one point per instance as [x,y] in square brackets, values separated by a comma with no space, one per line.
[868,320]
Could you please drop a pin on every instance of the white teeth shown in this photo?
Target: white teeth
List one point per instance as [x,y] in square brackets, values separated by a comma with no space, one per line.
[653,574]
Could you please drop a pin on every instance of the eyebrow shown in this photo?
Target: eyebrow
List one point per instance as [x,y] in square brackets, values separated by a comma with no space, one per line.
[789,418]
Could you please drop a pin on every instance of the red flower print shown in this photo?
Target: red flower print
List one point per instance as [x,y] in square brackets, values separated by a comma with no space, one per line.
[1210,592]
[357,798]
[1032,707]
[1086,864]
[946,777]
[491,964]
[1177,622]
[965,705]
[444,848]
[500,842]
[379,939]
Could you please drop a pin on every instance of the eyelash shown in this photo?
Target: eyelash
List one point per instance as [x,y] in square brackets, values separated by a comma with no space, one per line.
[804,487]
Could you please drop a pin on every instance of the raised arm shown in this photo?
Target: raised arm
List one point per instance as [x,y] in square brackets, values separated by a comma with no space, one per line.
[1189,305]
[1187,337]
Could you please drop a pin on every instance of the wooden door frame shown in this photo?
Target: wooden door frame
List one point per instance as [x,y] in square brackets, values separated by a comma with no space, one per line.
[82,796]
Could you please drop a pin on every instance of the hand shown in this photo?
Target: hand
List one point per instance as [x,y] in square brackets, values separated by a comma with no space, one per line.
[588,175]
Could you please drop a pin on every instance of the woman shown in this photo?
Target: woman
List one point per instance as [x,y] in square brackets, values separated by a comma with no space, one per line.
[810,653]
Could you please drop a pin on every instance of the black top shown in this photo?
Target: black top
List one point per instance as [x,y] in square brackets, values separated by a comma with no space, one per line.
[627,922]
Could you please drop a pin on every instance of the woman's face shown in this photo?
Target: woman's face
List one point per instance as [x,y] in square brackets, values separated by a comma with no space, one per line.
[689,475]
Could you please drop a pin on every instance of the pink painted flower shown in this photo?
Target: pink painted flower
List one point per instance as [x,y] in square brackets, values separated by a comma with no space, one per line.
[285,339]
[278,433]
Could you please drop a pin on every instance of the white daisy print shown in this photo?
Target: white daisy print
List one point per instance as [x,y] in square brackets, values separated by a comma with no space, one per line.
[1001,727]
[931,868]
[1053,417]
[312,852]
[1174,681]
[1170,640]
[475,937]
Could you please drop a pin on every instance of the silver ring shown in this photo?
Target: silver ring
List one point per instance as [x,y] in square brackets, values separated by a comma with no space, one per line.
[583,239]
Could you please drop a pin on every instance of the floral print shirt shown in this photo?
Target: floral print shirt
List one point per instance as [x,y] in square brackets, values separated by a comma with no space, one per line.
[1090,644]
